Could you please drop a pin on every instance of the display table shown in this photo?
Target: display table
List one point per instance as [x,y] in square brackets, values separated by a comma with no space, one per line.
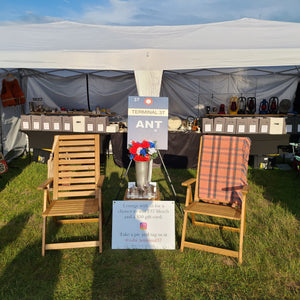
[44,139]
[183,148]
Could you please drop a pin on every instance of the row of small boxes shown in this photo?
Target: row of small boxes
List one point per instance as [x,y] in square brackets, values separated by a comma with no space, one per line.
[64,123]
[235,125]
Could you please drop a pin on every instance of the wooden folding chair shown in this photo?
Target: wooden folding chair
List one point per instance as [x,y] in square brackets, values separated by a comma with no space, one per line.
[76,187]
[220,189]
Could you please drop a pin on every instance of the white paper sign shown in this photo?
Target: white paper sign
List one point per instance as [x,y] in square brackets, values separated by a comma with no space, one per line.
[56,126]
[100,127]
[230,128]
[252,128]
[264,128]
[90,127]
[67,126]
[241,128]
[143,225]
[36,125]
[207,127]
[219,128]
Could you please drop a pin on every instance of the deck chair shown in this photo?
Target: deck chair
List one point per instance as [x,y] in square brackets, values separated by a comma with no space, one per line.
[73,194]
[220,189]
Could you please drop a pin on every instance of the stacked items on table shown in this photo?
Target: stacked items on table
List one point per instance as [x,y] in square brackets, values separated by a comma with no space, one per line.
[90,124]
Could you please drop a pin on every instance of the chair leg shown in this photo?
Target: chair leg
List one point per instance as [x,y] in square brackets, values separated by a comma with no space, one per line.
[242,232]
[44,235]
[244,218]
[183,231]
[193,219]
[100,232]
[100,222]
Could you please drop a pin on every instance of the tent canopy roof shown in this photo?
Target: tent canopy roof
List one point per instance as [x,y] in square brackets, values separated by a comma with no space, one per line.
[68,45]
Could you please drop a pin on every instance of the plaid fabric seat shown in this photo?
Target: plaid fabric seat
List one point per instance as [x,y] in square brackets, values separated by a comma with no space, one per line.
[223,169]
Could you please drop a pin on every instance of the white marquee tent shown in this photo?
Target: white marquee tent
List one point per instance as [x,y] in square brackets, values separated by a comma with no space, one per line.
[84,66]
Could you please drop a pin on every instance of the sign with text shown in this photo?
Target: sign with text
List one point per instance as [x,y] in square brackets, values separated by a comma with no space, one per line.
[148,120]
[143,225]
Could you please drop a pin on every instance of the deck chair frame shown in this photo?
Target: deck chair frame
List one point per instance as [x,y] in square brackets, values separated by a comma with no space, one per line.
[75,188]
[198,206]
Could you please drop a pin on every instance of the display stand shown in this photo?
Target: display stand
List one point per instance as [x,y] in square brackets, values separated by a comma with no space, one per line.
[169,180]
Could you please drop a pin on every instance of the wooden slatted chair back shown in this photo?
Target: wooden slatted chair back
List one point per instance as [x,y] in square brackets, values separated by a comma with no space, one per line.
[76,166]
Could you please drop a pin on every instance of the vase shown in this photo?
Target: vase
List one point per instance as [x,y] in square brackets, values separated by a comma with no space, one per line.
[142,173]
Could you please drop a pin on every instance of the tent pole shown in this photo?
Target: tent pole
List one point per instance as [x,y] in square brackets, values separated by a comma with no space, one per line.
[87,91]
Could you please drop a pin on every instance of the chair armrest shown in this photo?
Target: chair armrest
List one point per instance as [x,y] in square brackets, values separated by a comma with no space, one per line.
[188,182]
[101,180]
[44,185]
[245,189]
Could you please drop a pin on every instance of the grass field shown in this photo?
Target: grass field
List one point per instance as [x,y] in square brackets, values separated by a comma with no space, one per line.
[271,257]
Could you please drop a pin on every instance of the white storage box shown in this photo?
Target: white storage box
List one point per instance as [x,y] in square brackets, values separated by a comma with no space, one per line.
[207,125]
[46,123]
[219,125]
[264,125]
[112,128]
[25,122]
[36,123]
[67,123]
[276,126]
[101,123]
[56,123]
[241,125]
[90,124]
[252,125]
[230,125]
[78,123]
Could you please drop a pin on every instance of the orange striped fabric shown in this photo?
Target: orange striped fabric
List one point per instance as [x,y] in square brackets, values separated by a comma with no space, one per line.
[222,170]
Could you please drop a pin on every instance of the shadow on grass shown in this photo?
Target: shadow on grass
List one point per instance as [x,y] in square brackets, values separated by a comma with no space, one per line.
[131,275]
[31,276]
[28,275]
[15,167]
[279,186]
[10,231]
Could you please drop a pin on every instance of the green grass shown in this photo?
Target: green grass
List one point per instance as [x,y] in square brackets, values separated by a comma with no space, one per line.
[271,260]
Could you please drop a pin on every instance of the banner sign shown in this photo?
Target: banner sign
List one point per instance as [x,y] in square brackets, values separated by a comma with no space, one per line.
[143,225]
[148,120]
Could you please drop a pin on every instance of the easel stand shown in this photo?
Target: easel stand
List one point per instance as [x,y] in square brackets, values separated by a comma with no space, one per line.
[171,184]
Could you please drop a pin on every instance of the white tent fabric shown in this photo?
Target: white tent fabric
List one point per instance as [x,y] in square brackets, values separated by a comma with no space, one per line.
[148,82]
[240,43]
[148,56]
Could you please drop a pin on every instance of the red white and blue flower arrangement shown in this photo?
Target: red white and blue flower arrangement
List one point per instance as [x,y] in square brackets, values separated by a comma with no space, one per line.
[144,151]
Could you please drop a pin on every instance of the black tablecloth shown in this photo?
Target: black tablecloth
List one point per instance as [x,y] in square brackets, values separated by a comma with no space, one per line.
[182,147]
